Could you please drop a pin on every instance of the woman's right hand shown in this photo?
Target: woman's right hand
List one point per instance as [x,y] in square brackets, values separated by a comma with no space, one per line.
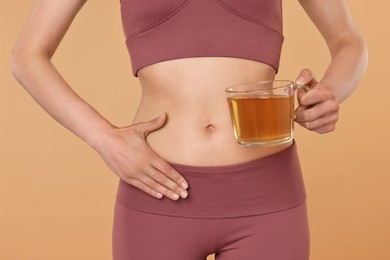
[127,153]
[124,149]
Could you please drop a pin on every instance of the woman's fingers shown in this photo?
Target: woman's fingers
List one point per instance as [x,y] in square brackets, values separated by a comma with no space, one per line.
[162,176]
[167,181]
[316,95]
[145,188]
[318,123]
[130,157]
[156,182]
[319,111]
[167,187]
[318,108]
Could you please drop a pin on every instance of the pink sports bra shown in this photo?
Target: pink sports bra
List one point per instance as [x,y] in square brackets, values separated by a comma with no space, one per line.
[161,30]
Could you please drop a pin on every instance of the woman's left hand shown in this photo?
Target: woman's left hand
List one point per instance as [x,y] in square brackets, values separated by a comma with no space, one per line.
[318,108]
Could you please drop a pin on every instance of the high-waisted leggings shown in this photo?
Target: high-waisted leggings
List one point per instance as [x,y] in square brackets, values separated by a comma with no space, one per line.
[254,210]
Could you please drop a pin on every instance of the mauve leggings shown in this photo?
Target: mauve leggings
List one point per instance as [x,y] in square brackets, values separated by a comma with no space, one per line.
[255,210]
[282,235]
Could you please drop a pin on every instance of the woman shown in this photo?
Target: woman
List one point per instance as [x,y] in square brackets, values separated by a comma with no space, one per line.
[187,189]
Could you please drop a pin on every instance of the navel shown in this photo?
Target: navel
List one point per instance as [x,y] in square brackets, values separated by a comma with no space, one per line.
[210,129]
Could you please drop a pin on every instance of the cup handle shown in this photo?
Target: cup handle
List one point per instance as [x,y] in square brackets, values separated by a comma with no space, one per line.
[306,87]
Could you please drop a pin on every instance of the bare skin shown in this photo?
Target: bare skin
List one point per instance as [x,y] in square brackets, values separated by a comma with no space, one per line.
[194,127]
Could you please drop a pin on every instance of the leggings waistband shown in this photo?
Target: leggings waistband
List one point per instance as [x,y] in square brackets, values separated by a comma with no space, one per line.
[256,187]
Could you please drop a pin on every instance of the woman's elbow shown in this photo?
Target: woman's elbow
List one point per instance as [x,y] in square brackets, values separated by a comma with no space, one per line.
[364,53]
[23,60]
[17,62]
[360,51]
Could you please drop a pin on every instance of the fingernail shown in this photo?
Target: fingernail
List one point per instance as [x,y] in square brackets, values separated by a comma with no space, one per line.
[175,196]
[300,81]
[184,185]
[159,195]
[183,194]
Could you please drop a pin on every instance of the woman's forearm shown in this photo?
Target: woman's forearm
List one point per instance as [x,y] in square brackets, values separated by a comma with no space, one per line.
[347,48]
[349,61]
[31,64]
[39,77]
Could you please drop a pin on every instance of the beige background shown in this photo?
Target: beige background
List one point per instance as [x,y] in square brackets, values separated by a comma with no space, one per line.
[56,194]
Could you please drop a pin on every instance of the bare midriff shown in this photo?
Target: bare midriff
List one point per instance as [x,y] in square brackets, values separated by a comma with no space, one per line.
[191,92]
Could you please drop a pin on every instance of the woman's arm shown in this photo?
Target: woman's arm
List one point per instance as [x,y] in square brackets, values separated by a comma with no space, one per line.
[36,44]
[124,149]
[348,62]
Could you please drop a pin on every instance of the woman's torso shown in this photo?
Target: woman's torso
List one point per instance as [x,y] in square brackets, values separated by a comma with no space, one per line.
[191,91]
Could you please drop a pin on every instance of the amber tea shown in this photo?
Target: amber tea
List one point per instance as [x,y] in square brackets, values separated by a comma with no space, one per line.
[262,119]
[262,113]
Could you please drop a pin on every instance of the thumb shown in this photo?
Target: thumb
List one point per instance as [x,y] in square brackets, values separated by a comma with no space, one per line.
[147,127]
[306,77]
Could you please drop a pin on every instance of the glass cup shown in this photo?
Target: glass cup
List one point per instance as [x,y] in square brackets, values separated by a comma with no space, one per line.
[262,113]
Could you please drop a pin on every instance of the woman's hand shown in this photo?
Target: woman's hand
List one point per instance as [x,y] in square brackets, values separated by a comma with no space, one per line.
[123,149]
[318,108]
[127,153]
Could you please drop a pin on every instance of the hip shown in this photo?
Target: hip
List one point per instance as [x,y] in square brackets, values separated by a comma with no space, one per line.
[255,187]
